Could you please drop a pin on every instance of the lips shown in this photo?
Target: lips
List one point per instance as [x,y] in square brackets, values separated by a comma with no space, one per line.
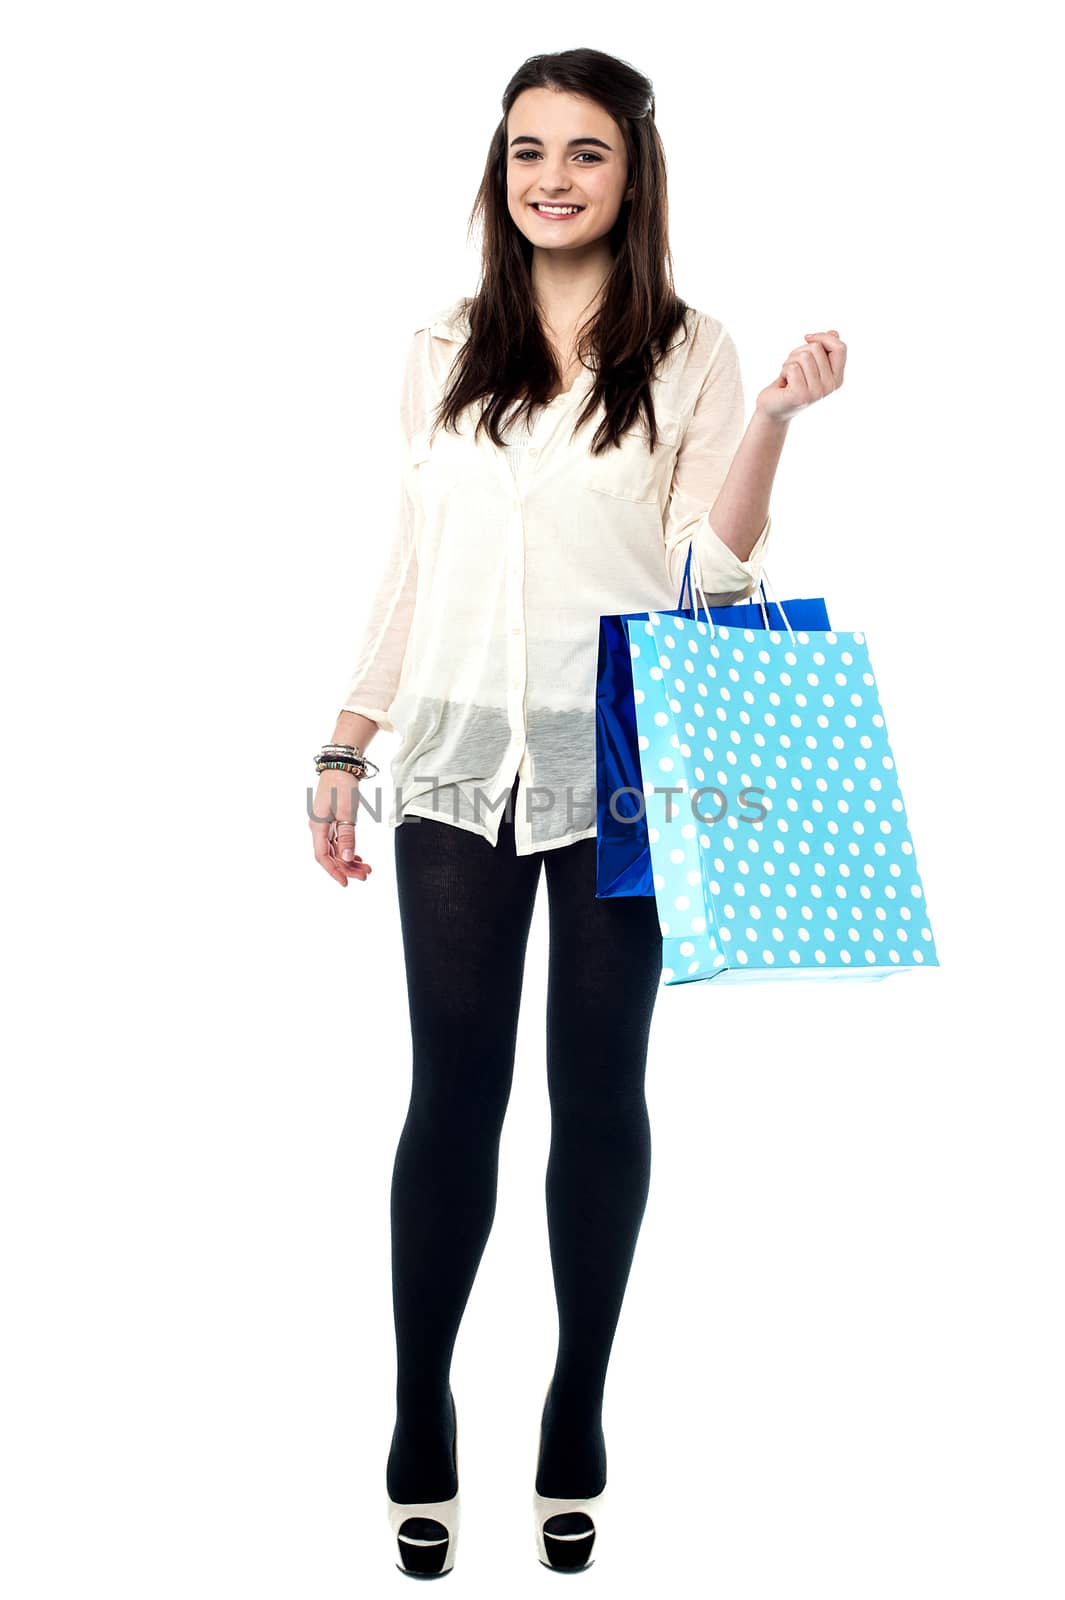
[536,207]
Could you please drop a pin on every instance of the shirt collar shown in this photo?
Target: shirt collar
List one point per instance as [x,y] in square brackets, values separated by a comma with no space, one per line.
[452,323]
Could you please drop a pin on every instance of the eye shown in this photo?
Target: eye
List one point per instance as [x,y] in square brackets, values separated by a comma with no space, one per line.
[521,154]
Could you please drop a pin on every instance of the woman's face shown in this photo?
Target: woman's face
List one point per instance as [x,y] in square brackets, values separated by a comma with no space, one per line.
[564,149]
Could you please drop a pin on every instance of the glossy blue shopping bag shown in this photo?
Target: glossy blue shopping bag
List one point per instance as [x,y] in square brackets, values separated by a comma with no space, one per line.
[778,839]
[623,857]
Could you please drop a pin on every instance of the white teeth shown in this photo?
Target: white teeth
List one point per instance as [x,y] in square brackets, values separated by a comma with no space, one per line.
[558,211]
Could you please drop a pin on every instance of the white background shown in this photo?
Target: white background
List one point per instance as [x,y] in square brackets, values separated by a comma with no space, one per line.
[838,1369]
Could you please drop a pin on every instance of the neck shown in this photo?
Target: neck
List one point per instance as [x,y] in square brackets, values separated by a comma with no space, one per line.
[567,285]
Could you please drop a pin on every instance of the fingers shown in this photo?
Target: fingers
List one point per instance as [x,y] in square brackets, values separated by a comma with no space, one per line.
[320,832]
[815,365]
[344,851]
[328,856]
[835,353]
[815,369]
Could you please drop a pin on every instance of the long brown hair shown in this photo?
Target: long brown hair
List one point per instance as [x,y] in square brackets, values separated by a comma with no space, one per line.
[506,359]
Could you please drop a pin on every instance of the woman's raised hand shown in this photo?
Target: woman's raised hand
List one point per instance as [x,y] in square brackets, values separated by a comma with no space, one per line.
[812,371]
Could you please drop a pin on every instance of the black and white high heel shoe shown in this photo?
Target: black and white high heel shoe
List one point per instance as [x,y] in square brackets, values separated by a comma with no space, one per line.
[565,1529]
[427,1531]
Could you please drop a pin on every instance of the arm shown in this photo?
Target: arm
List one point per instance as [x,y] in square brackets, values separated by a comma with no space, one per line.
[379,657]
[382,647]
[722,480]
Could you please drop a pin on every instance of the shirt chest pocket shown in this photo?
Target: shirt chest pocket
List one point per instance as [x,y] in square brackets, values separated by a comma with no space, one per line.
[450,477]
[630,470]
[446,458]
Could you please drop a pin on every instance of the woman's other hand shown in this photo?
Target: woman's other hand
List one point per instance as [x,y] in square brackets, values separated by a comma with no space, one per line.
[332,826]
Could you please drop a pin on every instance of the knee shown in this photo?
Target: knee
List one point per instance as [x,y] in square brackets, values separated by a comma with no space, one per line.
[458,1094]
[612,1110]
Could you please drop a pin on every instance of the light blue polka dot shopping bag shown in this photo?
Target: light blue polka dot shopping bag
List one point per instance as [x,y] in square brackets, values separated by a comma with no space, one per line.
[778,841]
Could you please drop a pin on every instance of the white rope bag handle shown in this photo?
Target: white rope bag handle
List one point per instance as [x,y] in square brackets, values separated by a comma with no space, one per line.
[697,589]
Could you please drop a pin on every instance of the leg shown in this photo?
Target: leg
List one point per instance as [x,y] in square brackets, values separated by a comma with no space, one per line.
[465,909]
[605,967]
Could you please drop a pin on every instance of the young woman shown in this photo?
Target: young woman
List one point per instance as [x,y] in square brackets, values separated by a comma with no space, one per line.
[569,432]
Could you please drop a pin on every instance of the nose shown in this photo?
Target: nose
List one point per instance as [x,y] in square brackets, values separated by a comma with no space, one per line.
[553,180]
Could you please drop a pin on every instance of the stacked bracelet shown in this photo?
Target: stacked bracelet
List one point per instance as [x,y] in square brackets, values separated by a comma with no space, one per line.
[344,758]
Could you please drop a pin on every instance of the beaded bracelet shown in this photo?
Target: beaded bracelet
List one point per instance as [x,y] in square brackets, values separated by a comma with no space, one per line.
[344,758]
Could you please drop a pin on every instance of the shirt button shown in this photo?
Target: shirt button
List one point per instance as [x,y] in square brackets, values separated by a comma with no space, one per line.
[533,450]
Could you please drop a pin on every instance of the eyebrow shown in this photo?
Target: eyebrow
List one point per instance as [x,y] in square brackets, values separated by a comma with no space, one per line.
[528,138]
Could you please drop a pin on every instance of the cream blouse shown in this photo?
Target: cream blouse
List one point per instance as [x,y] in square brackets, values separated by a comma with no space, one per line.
[481,640]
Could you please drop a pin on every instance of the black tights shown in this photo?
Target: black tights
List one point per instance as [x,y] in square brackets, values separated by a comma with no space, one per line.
[465,909]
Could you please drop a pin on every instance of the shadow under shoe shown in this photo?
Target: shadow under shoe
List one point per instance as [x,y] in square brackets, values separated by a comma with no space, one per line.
[427,1531]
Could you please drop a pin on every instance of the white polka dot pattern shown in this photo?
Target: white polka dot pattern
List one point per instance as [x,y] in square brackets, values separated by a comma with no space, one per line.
[784,849]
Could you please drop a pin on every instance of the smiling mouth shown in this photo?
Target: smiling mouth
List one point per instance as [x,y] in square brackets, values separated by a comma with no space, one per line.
[564,211]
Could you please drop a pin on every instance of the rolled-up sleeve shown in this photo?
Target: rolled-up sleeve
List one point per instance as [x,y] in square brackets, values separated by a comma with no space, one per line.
[386,628]
[709,443]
